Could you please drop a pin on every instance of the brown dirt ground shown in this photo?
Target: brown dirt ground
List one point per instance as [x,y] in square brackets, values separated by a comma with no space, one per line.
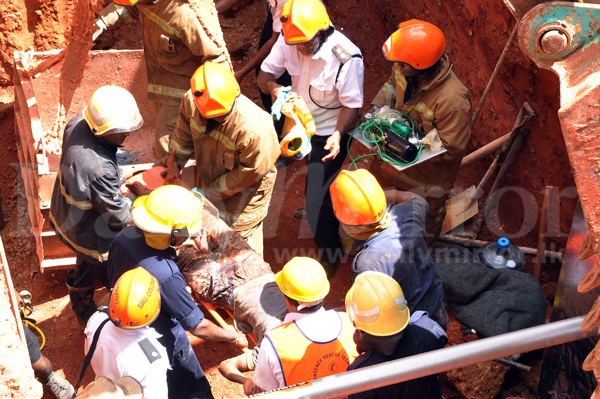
[476,33]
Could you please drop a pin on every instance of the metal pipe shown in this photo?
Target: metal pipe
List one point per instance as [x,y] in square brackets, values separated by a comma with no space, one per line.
[438,361]
[467,242]
[495,73]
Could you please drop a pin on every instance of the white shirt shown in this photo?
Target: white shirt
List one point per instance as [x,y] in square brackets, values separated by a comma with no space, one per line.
[275,8]
[118,354]
[317,73]
[320,326]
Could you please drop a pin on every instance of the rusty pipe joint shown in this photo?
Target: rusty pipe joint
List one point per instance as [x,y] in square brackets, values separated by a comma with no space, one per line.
[554,38]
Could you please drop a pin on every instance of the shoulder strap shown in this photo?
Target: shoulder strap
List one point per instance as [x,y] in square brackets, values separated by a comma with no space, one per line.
[149,350]
[88,357]
[342,55]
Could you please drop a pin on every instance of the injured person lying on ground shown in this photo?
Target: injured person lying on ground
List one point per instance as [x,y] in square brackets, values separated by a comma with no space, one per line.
[221,268]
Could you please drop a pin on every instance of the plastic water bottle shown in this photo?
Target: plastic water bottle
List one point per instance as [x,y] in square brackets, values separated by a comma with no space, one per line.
[502,255]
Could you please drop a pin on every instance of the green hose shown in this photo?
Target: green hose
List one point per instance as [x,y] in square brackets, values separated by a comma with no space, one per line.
[366,129]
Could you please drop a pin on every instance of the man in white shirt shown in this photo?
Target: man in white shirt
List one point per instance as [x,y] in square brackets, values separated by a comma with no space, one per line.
[327,72]
[126,346]
[312,343]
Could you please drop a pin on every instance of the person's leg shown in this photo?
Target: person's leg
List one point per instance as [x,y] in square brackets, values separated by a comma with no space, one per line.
[42,368]
[186,379]
[80,282]
[254,237]
[166,121]
[319,208]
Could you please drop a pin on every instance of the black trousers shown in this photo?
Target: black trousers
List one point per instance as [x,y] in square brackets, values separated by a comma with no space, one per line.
[319,209]
[186,380]
[87,270]
[284,80]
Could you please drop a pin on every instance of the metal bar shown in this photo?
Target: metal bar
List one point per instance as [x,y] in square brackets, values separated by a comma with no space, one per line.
[513,364]
[438,361]
[467,242]
[495,73]
[543,231]
[491,202]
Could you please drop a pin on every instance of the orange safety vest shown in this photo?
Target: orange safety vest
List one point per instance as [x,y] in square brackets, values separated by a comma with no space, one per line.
[304,360]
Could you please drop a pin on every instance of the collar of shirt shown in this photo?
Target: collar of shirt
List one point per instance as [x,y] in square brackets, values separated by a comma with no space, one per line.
[296,316]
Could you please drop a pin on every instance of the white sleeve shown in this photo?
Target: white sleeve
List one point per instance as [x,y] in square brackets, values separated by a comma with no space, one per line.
[276,13]
[274,64]
[350,83]
[268,374]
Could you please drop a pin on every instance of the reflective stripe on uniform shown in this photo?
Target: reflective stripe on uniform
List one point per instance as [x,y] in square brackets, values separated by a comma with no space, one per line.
[223,186]
[223,139]
[89,252]
[162,23]
[422,108]
[181,151]
[400,81]
[84,205]
[165,90]
[123,13]
[388,88]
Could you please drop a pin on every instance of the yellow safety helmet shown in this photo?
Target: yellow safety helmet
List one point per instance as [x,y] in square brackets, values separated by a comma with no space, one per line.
[168,212]
[357,198]
[214,89]
[303,279]
[135,299]
[376,305]
[301,20]
[112,110]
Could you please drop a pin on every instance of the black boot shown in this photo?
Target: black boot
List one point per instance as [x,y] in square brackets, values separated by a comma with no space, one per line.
[82,301]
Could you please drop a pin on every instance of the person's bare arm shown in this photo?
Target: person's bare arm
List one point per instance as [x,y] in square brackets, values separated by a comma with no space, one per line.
[233,368]
[394,196]
[267,83]
[209,331]
[345,121]
[224,5]
[258,58]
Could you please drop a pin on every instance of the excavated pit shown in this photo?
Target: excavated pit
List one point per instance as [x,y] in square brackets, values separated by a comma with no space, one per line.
[476,32]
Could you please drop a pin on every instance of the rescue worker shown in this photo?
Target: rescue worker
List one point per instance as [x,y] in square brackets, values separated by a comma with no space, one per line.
[165,219]
[386,331]
[87,208]
[176,42]
[392,238]
[235,147]
[312,343]
[126,345]
[423,86]
[327,72]
[42,366]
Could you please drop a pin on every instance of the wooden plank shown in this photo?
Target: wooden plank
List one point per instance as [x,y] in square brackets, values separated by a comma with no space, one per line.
[12,297]
[58,264]
[459,209]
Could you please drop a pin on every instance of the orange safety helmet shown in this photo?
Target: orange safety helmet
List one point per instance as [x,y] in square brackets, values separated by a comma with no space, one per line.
[301,20]
[357,198]
[127,3]
[135,300]
[416,43]
[214,89]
